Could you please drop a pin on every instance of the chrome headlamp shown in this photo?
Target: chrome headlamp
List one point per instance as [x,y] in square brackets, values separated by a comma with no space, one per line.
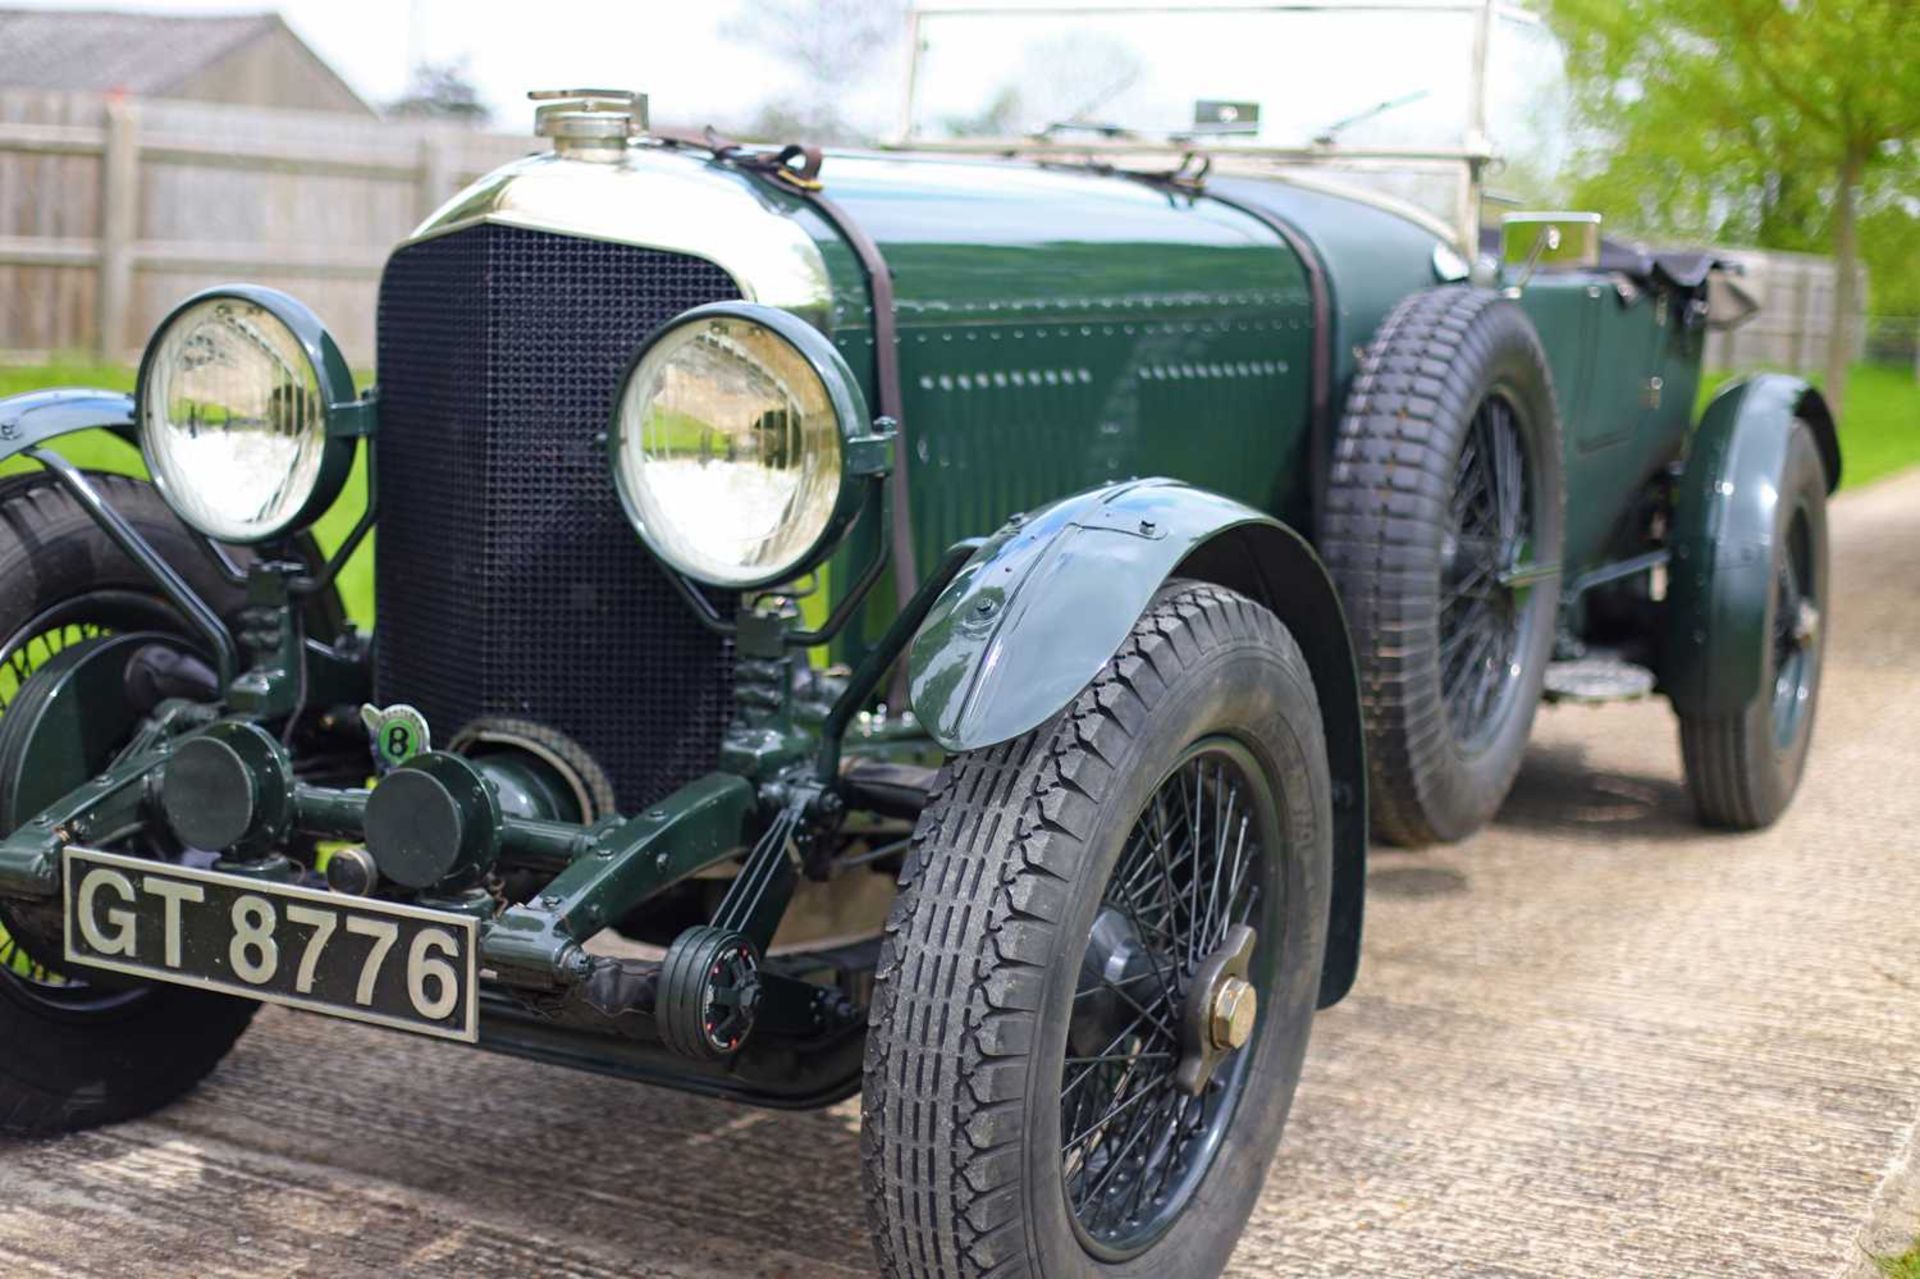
[733,438]
[240,404]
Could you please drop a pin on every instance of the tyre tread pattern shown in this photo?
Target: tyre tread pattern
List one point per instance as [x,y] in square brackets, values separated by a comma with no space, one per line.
[1738,776]
[1720,772]
[205,1028]
[1387,509]
[49,545]
[963,968]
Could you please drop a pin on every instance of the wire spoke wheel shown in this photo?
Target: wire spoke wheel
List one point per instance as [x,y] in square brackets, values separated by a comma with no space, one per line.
[77,1053]
[1135,1144]
[1101,970]
[1445,525]
[1796,633]
[1483,615]
[1745,751]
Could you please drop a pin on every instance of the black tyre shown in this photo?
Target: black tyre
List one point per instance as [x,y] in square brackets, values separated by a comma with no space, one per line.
[1047,1093]
[1443,530]
[76,1053]
[1743,769]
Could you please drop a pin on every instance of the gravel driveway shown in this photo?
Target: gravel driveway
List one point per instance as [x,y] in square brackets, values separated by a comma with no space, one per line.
[1593,1040]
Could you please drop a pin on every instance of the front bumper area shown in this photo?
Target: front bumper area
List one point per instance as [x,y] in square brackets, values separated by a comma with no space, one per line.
[599,872]
[542,993]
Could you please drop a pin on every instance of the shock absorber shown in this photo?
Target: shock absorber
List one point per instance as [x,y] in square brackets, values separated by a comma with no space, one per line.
[710,984]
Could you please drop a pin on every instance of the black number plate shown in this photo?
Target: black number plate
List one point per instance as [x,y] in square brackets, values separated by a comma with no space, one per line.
[355,957]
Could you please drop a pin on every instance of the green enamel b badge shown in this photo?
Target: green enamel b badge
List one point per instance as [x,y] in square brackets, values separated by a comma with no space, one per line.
[397,733]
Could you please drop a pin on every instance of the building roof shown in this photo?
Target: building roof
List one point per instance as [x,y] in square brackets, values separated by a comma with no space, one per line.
[144,54]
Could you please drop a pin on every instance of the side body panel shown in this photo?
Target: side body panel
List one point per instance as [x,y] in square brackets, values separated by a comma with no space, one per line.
[1060,329]
[1625,371]
[1372,258]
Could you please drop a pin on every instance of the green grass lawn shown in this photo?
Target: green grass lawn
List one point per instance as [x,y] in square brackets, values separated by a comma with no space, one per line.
[102,451]
[1880,430]
[1904,1266]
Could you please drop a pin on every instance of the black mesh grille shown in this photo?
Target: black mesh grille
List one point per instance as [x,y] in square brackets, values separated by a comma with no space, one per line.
[510,584]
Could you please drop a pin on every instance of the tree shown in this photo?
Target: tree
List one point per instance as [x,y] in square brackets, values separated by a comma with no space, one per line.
[1890,243]
[831,43]
[1777,116]
[441,91]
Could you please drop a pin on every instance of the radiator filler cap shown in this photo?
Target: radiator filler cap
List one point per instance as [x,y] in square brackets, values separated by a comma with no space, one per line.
[589,124]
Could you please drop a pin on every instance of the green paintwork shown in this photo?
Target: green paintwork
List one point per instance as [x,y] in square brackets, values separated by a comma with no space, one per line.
[338,674]
[39,416]
[882,657]
[1060,329]
[1603,350]
[604,871]
[533,944]
[1039,609]
[433,823]
[269,687]
[1061,332]
[1063,328]
[114,800]
[65,723]
[1725,518]
[234,776]
[528,787]
[760,740]
[1372,258]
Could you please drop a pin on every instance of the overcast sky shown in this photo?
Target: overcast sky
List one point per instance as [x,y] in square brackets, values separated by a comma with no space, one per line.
[674,51]
[681,53]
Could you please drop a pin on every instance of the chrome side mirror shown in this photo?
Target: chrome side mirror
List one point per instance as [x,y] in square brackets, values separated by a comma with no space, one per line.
[1548,241]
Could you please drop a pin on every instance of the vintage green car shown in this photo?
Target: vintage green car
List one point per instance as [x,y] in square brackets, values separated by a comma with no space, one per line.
[937,625]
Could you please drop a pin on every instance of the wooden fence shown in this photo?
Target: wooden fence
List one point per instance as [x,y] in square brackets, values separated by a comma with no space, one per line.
[1795,293]
[111,210]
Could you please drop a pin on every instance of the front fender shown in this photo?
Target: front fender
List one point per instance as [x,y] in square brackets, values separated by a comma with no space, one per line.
[1044,604]
[1725,513]
[38,416]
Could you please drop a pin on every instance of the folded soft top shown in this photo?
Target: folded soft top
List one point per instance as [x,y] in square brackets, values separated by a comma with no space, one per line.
[1677,268]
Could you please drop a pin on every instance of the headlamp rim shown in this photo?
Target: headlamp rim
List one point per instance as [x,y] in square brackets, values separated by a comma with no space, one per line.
[844,393]
[331,372]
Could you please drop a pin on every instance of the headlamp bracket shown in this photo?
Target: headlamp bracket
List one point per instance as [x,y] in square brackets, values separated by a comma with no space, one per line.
[871,455]
[354,419]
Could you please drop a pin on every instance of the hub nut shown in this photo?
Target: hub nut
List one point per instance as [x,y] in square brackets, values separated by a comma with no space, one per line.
[1235,1007]
[1806,624]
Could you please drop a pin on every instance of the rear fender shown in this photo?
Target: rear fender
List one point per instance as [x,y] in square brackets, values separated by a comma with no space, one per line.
[1722,540]
[1044,604]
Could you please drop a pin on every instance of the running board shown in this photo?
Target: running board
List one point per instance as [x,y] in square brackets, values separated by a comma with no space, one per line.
[1593,680]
